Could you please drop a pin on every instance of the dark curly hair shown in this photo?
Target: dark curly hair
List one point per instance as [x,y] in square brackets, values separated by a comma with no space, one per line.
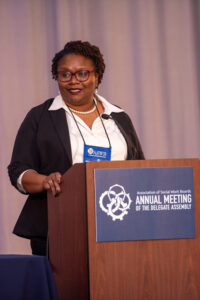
[84,49]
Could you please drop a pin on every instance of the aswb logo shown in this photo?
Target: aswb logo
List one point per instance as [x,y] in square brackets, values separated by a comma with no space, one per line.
[115,202]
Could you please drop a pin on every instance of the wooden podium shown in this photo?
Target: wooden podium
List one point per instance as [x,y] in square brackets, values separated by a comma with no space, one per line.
[132,270]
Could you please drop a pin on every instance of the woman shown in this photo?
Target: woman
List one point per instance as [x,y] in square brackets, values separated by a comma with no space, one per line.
[76,126]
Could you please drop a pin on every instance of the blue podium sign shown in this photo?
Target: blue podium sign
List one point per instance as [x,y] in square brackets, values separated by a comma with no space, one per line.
[144,204]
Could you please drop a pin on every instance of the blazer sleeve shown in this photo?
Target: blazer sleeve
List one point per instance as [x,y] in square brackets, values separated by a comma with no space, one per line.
[25,153]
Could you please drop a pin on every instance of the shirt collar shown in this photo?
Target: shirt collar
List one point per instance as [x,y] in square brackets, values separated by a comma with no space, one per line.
[108,107]
[59,103]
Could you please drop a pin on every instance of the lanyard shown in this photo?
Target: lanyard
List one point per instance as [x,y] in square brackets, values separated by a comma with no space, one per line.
[95,103]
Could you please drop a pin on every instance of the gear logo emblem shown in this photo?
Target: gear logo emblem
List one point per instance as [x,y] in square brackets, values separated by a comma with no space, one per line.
[115,202]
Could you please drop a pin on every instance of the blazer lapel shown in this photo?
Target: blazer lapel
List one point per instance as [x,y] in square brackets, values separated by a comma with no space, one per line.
[60,123]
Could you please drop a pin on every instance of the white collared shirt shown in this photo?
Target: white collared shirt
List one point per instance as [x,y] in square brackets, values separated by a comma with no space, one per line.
[95,136]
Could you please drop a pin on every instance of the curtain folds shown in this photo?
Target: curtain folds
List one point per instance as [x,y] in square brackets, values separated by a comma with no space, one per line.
[151,50]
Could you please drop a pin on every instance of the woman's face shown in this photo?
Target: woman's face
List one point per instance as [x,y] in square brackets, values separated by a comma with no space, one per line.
[75,92]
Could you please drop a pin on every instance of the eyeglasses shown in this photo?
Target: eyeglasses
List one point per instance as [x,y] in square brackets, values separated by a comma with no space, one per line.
[81,75]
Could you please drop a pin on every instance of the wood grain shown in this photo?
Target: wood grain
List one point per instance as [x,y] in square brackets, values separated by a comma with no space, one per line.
[144,270]
[68,251]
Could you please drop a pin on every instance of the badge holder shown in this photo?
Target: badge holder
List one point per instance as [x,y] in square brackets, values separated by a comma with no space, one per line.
[95,153]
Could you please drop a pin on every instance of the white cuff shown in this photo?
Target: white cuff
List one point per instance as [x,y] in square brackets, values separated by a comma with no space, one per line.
[19,181]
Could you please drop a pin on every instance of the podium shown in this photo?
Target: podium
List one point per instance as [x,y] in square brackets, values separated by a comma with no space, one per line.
[123,270]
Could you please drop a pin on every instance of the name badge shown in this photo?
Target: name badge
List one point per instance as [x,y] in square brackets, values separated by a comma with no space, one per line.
[94,153]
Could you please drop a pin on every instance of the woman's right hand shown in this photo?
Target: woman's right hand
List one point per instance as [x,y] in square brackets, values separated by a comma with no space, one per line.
[52,183]
[34,182]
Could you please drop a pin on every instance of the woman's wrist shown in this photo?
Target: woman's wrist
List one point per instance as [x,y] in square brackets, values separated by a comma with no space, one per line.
[32,181]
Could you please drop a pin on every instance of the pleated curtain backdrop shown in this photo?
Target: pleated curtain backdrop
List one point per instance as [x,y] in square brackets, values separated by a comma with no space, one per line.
[151,49]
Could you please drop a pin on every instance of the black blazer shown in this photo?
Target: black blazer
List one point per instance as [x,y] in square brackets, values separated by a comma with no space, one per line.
[43,144]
